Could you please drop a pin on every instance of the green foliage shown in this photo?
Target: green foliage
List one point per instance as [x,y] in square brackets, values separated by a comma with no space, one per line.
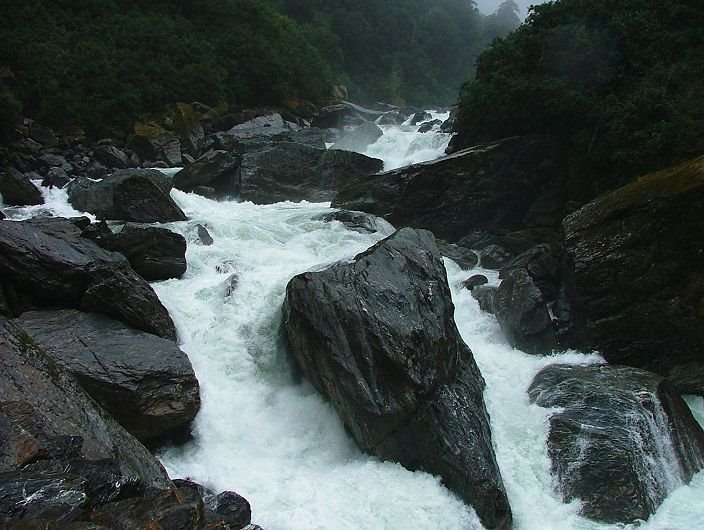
[619,82]
[102,63]
[10,110]
[417,50]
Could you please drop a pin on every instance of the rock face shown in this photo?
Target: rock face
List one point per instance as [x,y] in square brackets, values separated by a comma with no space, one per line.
[216,169]
[146,382]
[638,274]
[51,265]
[154,253]
[17,189]
[499,185]
[139,195]
[623,441]
[46,415]
[520,308]
[296,172]
[377,337]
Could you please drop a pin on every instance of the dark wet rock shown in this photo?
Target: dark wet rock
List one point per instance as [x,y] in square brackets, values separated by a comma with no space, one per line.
[52,160]
[46,415]
[43,135]
[154,253]
[420,116]
[332,116]
[53,266]
[189,128]
[359,138]
[356,221]
[176,509]
[203,235]
[428,126]
[393,117]
[485,295]
[295,172]
[153,142]
[139,195]
[638,275]
[464,257]
[377,338]
[494,257]
[56,178]
[17,189]
[489,187]
[2,215]
[111,156]
[215,169]
[475,281]
[146,382]
[230,508]
[206,191]
[310,136]
[523,315]
[544,264]
[622,440]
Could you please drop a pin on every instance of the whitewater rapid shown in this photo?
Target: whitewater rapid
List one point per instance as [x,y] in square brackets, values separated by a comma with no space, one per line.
[264,432]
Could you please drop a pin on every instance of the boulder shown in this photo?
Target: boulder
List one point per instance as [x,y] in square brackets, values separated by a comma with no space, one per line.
[638,275]
[621,441]
[428,126]
[296,172]
[215,169]
[393,117]
[420,117]
[17,189]
[203,235]
[490,187]
[139,195]
[111,156]
[465,258]
[523,315]
[484,295]
[231,508]
[188,127]
[46,415]
[43,135]
[261,126]
[56,178]
[359,138]
[475,281]
[153,142]
[53,266]
[332,116]
[357,221]
[544,263]
[146,382]
[377,337]
[52,160]
[154,253]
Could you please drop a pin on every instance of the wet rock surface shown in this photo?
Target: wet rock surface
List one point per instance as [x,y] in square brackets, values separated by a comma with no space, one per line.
[377,338]
[622,441]
[17,189]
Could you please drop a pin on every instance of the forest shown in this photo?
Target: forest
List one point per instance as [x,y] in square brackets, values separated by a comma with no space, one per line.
[99,64]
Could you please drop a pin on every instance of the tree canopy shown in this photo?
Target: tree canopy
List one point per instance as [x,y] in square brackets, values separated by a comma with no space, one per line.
[619,82]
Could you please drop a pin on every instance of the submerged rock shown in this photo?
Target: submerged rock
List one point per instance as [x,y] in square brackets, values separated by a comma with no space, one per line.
[638,274]
[296,172]
[146,382]
[52,265]
[378,339]
[622,441]
[138,195]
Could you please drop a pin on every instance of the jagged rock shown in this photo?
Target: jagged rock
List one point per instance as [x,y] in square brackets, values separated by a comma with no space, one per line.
[113,157]
[494,257]
[491,187]
[17,189]
[56,178]
[189,128]
[139,195]
[203,235]
[215,169]
[638,275]
[154,253]
[474,281]
[485,295]
[622,440]
[230,508]
[153,142]
[53,266]
[428,126]
[377,337]
[465,258]
[357,221]
[420,116]
[295,172]
[52,160]
[46,415]
[544,263]
[146,382]
[523,315]
[359,138]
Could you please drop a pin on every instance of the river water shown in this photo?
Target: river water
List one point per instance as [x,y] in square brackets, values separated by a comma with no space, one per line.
[264,432]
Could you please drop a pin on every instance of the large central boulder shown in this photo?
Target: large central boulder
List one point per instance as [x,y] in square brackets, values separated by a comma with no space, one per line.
[639,274]
[500,185]
[621,440]
[49,264]
[377,338]
[296,172]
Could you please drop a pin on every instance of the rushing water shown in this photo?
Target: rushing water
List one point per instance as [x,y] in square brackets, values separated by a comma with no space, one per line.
[264,432]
